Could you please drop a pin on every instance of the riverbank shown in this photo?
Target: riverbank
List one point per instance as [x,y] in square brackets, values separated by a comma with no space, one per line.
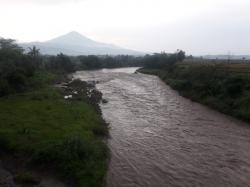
[53,132]
[214,85]
[159,138]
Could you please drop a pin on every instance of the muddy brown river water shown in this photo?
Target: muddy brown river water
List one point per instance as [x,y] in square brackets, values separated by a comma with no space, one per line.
[160,139]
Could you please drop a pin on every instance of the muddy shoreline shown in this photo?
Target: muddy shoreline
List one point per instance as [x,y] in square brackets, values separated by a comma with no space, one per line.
[159,138]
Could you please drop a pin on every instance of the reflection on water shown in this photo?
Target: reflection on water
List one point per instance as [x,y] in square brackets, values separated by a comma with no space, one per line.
[159,138]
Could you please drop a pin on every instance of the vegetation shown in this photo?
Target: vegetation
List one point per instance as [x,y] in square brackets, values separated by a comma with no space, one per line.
[97,62]
[46,130]
[20,72]
[162,60]
[42,128]
[222,86]
[55,132]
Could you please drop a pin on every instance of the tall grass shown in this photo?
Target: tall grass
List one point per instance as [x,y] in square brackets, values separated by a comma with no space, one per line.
[52,132]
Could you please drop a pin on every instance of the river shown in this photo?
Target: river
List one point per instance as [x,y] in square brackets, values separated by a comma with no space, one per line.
[160,139]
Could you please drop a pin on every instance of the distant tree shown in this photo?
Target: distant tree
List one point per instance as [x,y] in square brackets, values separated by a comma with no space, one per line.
[15,68]
[163,60]
[35,56]
[9,44]
[9,50]
[190,57]
[34,52]
[64,63]
[90,62]
[180,55]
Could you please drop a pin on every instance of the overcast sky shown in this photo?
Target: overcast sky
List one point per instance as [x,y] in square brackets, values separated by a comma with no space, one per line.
[196,26]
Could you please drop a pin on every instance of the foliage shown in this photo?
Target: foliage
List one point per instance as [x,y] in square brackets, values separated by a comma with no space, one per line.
[19,71]
[36,120]
[210,84]
[97,62]
[156,60]
[163,60]
[54,132]
[60,64]
[15,68]
[35,56]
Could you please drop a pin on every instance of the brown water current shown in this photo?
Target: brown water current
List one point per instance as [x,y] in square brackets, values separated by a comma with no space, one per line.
[160,139]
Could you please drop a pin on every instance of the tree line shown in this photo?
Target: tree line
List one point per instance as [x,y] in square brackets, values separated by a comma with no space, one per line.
[19,69]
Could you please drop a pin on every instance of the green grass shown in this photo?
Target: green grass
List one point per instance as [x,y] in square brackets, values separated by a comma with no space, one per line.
[41,78]
[55,133]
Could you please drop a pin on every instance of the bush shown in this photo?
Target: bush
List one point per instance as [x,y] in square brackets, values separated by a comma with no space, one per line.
[210,85]
[75,158]
[234,85]
[180,84]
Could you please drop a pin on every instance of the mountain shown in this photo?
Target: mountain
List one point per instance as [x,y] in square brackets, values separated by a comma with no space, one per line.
[75,44]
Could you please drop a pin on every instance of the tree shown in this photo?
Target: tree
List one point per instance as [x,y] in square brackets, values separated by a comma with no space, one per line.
[90,62]
[35,56]
[9,44]
[9,50]
[64,63]
[34,52]
[15,68]
[180,55]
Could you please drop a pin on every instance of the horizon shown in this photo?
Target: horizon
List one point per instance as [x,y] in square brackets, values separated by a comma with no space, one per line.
[202,55]
[197,27]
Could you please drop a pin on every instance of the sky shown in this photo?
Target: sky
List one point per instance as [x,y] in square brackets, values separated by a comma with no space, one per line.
[199,27]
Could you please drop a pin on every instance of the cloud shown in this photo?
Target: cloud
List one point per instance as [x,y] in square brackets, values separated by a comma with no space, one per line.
[197,26]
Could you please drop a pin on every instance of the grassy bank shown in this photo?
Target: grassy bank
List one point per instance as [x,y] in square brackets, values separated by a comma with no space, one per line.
[224,87]
[47,132]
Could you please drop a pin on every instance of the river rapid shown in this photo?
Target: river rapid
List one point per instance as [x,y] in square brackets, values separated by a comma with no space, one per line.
[160,139]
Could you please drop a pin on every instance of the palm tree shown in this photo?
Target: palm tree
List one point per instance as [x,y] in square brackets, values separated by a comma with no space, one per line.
[34,53]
